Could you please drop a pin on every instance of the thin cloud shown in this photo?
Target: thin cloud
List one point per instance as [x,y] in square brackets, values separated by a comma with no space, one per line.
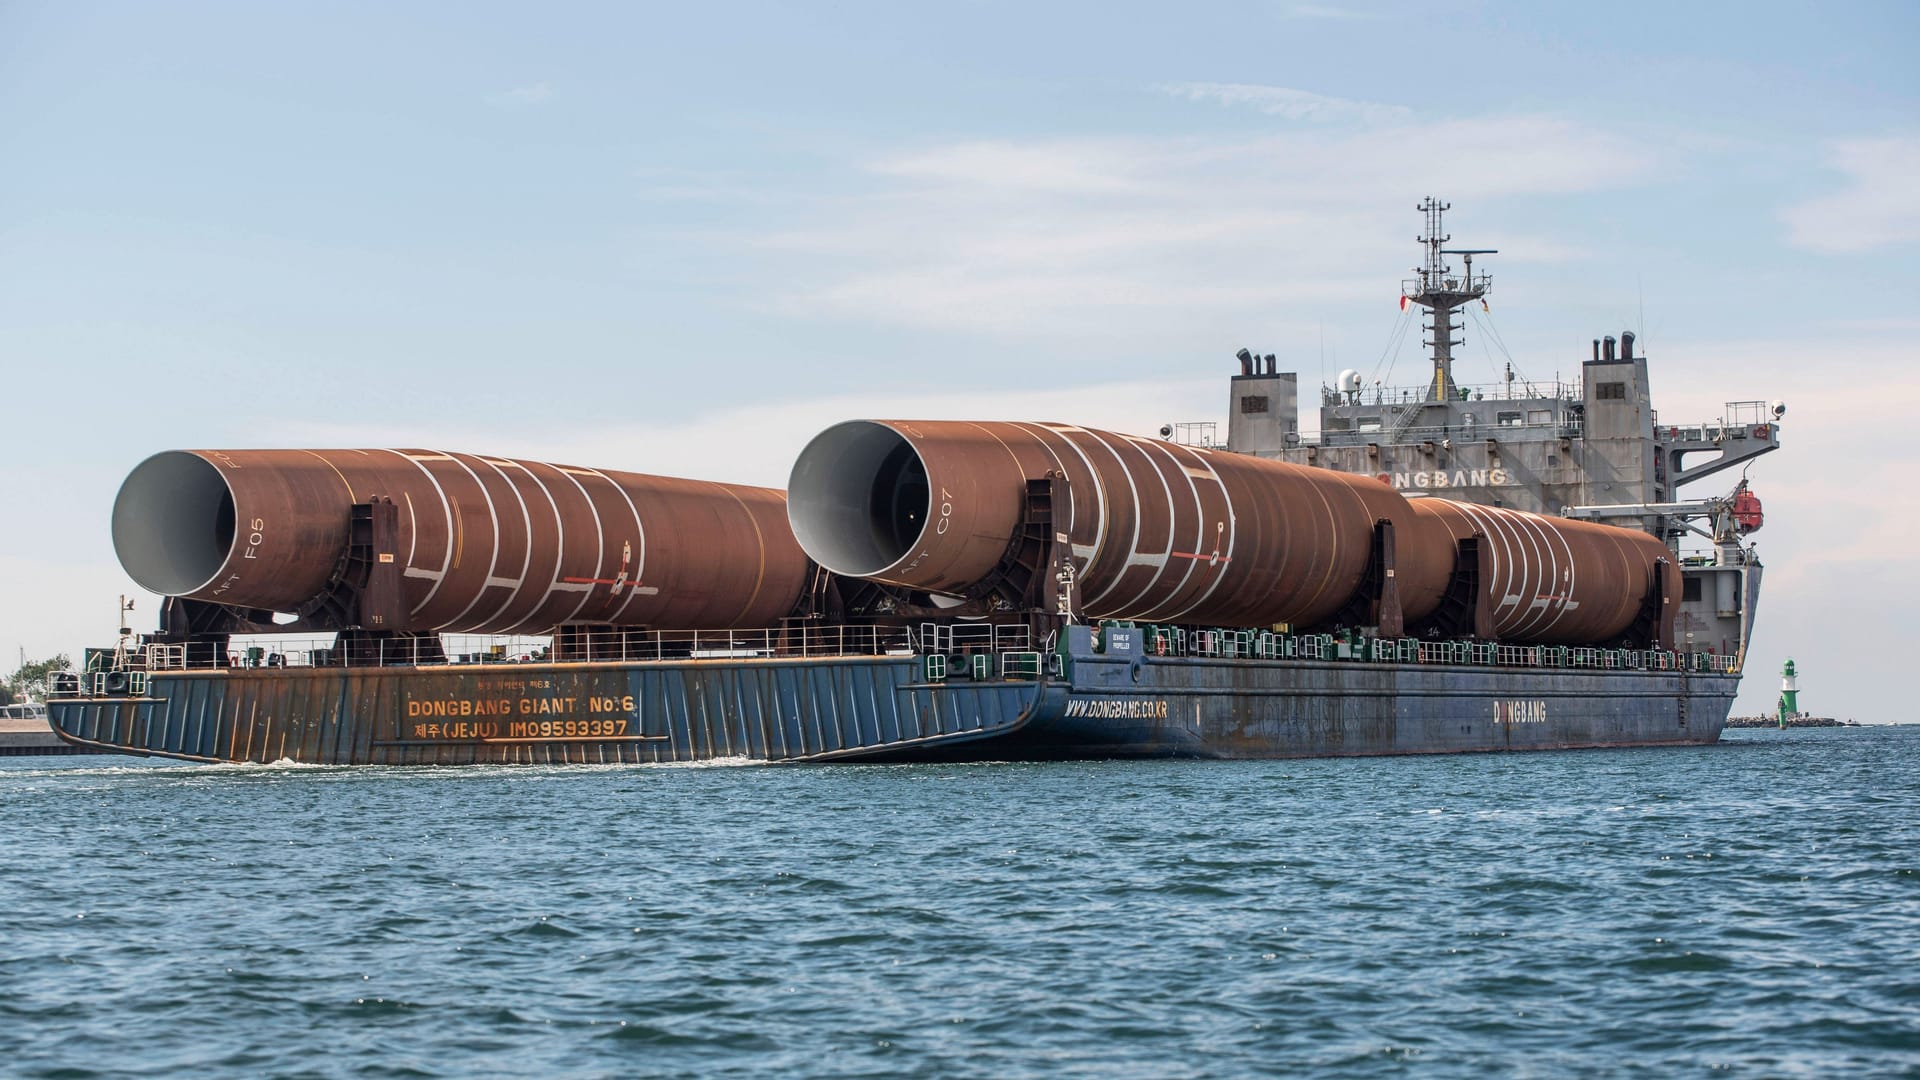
[1879,206]
[1893,324]
[1066,166]
[1110,239]
[1326,12]
[660,183]
[524,97]
[1288,103]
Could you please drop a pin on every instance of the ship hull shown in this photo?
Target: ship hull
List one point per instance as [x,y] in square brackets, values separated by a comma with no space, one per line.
[1085,704]
[1302,709]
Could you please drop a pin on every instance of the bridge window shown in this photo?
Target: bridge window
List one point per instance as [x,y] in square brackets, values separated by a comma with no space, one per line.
[1610,391]
[1253,404]
[1508,419]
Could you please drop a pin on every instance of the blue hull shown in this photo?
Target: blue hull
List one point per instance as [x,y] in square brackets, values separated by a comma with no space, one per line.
[1087,703]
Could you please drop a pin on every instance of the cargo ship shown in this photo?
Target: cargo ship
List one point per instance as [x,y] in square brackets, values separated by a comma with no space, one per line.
[1441,568]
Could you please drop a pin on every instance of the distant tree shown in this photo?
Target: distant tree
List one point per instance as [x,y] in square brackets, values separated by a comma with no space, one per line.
[6,696]
[31,679]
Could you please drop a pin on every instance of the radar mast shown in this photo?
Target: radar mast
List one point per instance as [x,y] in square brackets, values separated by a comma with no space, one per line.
[1438,289]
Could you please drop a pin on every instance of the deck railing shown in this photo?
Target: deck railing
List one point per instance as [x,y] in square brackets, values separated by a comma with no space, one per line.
[803,641]
[946,651]
[1181,641]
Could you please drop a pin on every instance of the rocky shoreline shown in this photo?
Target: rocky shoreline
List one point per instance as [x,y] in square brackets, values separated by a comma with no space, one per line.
[1797,721]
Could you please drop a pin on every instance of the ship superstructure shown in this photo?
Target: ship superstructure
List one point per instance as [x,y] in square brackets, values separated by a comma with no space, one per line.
[1594,449]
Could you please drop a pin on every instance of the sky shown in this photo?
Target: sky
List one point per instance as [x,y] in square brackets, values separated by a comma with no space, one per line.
[682,239]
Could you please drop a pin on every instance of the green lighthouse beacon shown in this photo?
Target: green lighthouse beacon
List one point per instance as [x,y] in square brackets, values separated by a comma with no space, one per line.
[1789,693]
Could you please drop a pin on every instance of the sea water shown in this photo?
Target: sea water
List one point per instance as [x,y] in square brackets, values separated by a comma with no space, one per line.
[1751,907]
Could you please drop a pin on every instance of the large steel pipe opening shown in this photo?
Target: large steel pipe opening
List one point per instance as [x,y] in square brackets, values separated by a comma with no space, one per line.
[173,523]
[1171,533]
[872,505]
[867,499]
[485,544]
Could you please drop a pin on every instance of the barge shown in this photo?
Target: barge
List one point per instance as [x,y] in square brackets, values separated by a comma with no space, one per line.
[1115,690]
[1447,568]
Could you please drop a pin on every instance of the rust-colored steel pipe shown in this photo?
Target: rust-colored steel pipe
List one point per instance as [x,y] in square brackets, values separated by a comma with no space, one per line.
[1557,581]
[1171,533]
[1159,531]
[486,544]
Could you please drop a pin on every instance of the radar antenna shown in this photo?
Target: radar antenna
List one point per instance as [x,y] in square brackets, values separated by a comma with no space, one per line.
[1438,289]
